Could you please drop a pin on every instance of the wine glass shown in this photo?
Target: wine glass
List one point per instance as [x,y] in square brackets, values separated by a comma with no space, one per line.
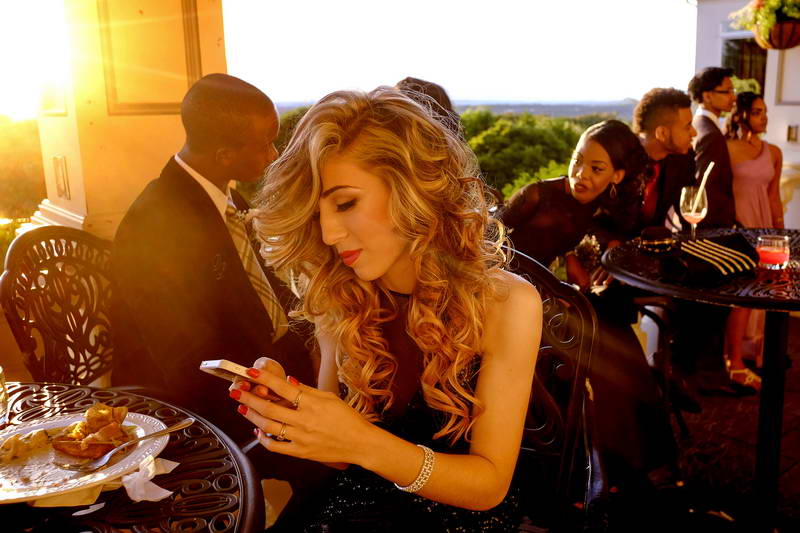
[694,206]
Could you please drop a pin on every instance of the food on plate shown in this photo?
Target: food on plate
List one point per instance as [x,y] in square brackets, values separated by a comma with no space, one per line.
[23,446]
[99,433]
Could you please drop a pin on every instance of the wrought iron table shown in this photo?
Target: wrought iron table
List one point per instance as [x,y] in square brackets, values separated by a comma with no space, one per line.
[777,292]
[214,488]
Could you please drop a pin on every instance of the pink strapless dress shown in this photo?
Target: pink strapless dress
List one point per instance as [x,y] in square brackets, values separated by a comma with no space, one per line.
[750,182]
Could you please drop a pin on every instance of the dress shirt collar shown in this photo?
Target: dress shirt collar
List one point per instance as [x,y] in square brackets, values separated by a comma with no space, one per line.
[220,199]
[702,112]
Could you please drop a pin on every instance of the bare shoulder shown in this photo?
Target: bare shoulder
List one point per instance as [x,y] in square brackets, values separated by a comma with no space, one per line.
[775,152]
[516,299]
[734,147]
[513,323]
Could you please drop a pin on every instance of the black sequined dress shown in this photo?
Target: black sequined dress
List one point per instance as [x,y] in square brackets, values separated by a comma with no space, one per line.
[359,500]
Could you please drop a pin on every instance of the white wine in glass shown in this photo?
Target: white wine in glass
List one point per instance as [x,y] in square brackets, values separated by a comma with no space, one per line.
[694,206]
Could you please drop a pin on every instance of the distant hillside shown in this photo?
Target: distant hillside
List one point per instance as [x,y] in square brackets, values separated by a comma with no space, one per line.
[622,108]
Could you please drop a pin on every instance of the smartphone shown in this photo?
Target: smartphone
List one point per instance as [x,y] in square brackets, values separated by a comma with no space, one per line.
[222,368]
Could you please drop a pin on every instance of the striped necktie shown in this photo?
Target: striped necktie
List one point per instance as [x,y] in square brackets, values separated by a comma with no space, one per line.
[252,266]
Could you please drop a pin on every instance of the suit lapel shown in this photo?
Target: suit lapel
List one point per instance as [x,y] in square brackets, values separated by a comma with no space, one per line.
[219,253]
[285,296]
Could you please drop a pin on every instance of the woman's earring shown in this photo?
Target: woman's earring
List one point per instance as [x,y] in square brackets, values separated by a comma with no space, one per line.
[613,192]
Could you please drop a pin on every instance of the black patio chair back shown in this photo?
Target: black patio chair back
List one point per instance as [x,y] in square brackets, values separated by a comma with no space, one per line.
[55,292]
[558,450]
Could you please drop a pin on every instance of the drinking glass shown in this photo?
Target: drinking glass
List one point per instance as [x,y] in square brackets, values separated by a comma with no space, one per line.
[773,251]
[694,206]
[3,399]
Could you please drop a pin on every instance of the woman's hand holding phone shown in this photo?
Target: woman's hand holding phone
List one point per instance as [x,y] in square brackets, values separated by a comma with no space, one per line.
[264,364]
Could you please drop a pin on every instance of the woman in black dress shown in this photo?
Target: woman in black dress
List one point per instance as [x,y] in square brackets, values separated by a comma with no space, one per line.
[602,196]
[428,346]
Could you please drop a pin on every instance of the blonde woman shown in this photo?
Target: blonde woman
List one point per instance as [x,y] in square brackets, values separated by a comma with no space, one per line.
[428,346]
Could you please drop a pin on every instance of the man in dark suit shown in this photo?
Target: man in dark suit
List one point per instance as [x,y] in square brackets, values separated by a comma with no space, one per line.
[663,121]
[189,285]
[712,89]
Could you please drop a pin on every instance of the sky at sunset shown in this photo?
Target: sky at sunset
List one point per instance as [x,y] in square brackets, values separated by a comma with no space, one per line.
[532,50]
[503,50]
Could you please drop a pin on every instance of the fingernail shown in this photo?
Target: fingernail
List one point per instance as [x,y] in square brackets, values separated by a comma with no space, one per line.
[255,432]
[242,409]
[253,372]
[235,394]
[293,380]
[244,385]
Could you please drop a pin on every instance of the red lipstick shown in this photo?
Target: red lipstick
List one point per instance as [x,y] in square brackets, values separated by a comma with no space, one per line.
[350,256]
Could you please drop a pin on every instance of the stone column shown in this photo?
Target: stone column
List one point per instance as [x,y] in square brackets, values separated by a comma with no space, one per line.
[782,96]
[115,121]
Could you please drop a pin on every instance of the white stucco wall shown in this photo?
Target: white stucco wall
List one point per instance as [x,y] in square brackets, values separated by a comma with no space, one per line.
[781,93]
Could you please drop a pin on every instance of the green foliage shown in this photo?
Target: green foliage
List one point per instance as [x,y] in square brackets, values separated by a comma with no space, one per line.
[522,143]
[761,15]
[584,121]
[21,175]
[747,84]
[476,120]
[553,169]
[7,234]
[288,122]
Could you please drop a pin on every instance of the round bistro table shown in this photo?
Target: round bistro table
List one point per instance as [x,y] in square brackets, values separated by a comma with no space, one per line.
[214,487]
[777,292]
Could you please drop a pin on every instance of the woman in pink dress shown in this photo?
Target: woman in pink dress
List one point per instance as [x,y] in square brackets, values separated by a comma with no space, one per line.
[756,178]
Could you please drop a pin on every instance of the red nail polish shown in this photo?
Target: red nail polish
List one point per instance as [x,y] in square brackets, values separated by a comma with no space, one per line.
[293,380]
[253,372]
[235,394]
[244,385]
[242,409]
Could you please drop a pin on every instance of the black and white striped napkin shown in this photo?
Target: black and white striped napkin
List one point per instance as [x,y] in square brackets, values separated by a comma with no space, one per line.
[708,262]
[728,261]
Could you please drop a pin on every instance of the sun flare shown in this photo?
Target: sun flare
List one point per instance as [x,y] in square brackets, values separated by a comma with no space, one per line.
[35,45]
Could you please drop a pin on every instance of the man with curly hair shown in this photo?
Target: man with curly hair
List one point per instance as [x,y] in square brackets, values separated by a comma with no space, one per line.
[663,121]
[712,89]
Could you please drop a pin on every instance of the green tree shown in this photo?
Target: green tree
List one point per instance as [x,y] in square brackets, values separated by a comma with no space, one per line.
[584,121]
[476,120]
[21,175]
[515,144]
[553,169]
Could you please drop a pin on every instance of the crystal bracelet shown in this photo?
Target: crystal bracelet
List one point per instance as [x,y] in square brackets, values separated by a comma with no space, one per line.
[424,472]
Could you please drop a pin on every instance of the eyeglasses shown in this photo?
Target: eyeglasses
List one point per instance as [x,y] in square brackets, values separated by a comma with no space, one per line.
[729,91]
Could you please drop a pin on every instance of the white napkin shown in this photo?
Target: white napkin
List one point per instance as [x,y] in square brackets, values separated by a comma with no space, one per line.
[137,484]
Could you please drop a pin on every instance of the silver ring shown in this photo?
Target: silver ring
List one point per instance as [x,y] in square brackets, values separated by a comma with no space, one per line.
[296,402]
[282,433]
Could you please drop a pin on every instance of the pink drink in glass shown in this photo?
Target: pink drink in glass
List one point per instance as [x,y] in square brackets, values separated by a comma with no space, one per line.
[694,218]
[773,251]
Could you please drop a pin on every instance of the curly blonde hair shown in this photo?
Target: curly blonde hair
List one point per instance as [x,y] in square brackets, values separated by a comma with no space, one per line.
[439,204]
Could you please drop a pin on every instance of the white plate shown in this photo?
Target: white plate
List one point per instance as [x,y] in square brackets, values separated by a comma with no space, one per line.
[36,477]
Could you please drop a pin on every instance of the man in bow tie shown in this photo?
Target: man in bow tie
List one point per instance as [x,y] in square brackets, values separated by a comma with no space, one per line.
[189,283]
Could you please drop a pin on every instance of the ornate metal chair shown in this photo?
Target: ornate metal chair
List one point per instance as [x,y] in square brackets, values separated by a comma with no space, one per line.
[558,450]
[55,292]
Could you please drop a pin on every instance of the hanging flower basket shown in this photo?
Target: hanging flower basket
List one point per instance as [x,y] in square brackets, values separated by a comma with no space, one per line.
[782,36]
[774,23]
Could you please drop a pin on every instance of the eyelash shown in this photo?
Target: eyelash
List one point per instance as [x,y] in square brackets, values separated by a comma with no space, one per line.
[345,206]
